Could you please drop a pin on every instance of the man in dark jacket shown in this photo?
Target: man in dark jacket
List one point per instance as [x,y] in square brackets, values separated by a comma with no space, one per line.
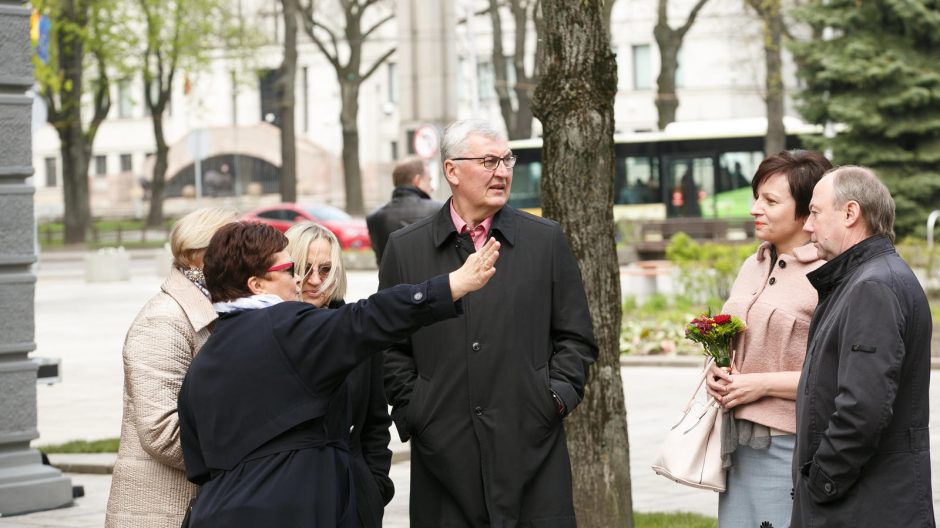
[411,201]
[862,453]
[482,400]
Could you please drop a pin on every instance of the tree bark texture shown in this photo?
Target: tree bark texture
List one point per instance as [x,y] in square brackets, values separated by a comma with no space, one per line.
[286,99]
[575,103]
[351,170]
[160,164]
[669,42]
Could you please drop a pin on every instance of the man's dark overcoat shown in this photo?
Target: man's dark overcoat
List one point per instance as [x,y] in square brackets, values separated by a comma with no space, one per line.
[475,395]
[862,453]
[408,205]
[264,410]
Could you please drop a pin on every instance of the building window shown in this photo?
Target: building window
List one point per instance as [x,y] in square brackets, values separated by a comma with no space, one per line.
[52,175]
[267,87]
[234,76]
[392,72]
[394,146]
[642,69]
[486,81]
[127,163]
[101,165]
[125,102]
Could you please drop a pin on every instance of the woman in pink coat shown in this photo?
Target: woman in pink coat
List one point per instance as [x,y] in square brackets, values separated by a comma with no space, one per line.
[774,297]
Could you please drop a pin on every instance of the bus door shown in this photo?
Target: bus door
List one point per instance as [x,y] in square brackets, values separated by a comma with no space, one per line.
[690,185]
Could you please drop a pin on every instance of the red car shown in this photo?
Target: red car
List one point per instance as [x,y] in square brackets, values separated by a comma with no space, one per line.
[351,232]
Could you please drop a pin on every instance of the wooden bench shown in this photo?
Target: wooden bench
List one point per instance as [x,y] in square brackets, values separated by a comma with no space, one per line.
[653,235]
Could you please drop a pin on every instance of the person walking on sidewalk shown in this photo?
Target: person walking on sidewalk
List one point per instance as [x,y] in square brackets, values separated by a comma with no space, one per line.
[316,253]
[773,297]
[862,408]
[148,487]
[411,201]
[482,398]
[264,414]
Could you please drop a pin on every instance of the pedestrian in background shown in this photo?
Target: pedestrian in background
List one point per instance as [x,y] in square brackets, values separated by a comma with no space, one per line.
[772,295]
[862,410]
[148,486]
[411,201]
[482,397]
[316,253]
[264,411]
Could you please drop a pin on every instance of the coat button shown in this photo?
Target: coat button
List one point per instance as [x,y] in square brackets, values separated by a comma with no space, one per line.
[478,410]
[828,487]
[476,346]
[418,296]
[782,264]
[773,280]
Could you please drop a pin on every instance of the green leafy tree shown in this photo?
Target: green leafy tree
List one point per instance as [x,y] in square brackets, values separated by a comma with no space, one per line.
[177,35]
[575,103]
[877,78]
[81,51]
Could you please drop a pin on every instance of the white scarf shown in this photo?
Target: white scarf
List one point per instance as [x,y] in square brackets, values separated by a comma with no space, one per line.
[253,302]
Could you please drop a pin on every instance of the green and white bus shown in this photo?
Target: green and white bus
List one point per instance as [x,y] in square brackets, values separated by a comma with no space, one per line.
[693,169]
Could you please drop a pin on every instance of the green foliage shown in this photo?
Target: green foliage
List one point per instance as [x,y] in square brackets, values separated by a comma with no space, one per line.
[879,77]
[706,271]
[107,445]
[673,520]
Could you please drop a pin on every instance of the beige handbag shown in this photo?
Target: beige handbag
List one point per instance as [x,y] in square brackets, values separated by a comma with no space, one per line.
[691,452]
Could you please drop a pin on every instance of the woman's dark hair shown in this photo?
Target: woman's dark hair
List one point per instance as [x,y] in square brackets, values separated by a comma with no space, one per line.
[237,252]
[803,168]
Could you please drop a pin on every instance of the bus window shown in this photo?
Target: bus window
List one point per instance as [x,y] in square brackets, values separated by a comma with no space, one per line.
[734,196]
[636,181]
[526,176]
[692,185]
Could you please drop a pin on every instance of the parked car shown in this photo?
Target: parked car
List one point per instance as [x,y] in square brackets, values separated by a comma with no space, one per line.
[351,232]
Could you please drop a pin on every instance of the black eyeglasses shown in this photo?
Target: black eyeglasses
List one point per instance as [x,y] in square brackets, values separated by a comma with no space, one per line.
[491,162]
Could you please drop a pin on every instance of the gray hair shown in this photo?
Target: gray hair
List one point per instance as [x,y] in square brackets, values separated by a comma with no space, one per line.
[860,184]
[299,238]
[452,144]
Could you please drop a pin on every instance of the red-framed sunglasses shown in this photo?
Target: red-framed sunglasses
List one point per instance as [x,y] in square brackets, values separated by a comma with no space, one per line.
[287,266]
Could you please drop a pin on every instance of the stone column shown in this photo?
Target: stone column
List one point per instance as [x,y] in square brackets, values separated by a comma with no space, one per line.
[25,483]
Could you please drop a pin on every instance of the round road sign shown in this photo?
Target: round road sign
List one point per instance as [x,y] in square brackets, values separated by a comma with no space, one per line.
[426,141]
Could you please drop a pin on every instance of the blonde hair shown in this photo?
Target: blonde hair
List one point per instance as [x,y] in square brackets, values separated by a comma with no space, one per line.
[299,238]
[191,233]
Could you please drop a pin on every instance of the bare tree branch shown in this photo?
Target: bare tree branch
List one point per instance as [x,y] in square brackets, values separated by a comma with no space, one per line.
[377,63]
[691,20]
[377,25]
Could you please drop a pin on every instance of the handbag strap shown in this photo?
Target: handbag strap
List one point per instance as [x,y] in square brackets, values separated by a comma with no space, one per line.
[698,387]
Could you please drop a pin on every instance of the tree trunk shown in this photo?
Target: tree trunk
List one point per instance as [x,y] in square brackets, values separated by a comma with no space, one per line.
[776,138]
[75,152]
[157,186]
[287,82]
[669,43]
[575,102]
[349,91]
[525,84]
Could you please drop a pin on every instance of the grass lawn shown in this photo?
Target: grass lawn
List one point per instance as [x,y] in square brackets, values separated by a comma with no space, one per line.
[673,520]
[107,445]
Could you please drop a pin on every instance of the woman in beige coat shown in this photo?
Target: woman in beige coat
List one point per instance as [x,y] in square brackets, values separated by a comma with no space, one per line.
[149,487]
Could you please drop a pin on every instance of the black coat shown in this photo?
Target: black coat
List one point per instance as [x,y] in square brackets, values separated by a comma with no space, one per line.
[474,394]
[862,453]
[408,205]
[369,439]
[264,410]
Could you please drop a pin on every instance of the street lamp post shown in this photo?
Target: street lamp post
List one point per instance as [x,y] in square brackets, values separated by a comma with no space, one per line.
[25,483]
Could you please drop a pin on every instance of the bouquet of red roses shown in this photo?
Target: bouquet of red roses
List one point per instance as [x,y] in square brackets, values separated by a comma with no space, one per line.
[715,333]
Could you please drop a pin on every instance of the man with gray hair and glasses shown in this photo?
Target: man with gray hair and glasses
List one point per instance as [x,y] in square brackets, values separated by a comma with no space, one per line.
[862,453]
[482,400]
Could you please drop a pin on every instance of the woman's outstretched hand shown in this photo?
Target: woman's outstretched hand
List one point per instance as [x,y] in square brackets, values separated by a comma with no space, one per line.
[476,271]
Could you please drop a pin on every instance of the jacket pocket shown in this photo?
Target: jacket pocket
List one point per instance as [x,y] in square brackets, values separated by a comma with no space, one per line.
[415,414]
